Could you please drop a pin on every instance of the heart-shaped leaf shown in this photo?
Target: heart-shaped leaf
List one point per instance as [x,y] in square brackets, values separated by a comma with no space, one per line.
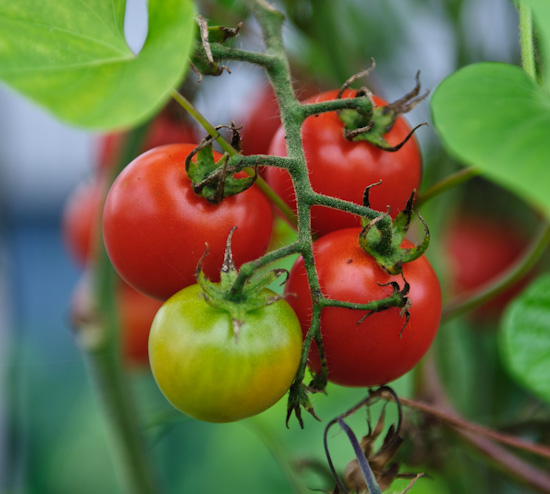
[525,338]
[71,57]
[494,117]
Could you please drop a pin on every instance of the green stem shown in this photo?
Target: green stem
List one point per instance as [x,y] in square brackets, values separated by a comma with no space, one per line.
[527,39]
[447,183]
[131,456]
[469,301]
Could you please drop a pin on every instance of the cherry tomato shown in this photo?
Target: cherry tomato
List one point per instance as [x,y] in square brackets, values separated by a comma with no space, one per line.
[479,249]
[163,130]
[207,372]
[81,219]
[135,311]
[375,351]
[156,228]
[343,169]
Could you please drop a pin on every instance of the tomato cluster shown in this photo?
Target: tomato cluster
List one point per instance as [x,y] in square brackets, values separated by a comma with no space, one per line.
[210,363]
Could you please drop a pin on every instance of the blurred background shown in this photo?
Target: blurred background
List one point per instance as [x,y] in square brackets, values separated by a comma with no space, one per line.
[52,435]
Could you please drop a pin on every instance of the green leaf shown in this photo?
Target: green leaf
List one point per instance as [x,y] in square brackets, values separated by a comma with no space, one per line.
[493,117]
[525,338]
[71,57]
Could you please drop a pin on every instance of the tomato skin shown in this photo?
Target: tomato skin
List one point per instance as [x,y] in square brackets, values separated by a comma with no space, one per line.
[81,219]
[343,169]
[156,228]
[373,352]
[479,248]
[208,374]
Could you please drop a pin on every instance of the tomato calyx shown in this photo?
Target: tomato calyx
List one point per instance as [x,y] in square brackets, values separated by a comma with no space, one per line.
[382,238]
[371,126]
[202,61]
[237,302]
[298,398]
[216,180]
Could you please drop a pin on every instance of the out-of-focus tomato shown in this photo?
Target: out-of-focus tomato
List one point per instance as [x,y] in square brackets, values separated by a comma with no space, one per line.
[479,249]
[135,313]
[81,219]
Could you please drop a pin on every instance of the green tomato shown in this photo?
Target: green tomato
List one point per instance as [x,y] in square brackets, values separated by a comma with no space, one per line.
[209,373]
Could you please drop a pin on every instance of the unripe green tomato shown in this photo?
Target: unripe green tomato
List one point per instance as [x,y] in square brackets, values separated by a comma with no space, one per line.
[209,373]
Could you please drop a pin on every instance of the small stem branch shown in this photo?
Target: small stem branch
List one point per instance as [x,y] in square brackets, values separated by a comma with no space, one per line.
[316,199]
[527,39]
[361,459]
[222,52]
[200,118]
[249,268]
[502,458]
[447,183]
[360,104]
[454,420]
[468,301]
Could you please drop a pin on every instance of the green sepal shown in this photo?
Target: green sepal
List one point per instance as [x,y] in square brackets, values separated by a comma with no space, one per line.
[215,180]
[382,239]
[220,34]
[237,303]
[373,126]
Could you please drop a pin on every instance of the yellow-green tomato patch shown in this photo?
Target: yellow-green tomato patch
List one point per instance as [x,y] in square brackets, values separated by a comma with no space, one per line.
[208,373]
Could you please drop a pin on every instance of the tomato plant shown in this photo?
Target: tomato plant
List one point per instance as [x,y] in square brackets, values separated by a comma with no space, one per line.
[341,168]
[156,228]
[135,314]
[208,372]
[381,348]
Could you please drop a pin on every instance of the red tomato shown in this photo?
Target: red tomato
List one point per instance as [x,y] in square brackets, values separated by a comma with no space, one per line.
[156,228]
[81,219]
[373,352]
[163,130]
[340,168]
[480,249]
[135,311]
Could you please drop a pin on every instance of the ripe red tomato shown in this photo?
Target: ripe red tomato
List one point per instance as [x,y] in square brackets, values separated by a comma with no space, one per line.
[81,219]
[373,352]
[135,311]
[156,228]
[479,249]
[340,168]
[207,373]
[163,130]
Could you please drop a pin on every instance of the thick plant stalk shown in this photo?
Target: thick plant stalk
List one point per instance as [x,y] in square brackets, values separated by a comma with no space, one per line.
[132,463]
